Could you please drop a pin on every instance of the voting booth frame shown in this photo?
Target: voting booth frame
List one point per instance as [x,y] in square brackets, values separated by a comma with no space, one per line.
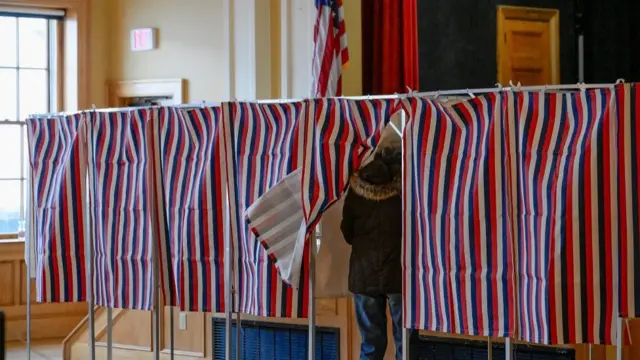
[312,244]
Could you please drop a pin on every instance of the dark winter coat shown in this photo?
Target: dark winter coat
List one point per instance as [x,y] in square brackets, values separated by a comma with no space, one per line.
[372,225]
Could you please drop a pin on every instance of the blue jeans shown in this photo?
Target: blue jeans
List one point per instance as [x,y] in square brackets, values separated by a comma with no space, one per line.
[372,320]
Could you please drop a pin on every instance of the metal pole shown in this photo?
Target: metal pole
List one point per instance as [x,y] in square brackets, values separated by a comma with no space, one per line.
[370,97]
[508,349]
[22,235]
[405,332]
[581,58]
[228,309]
[172,333]
[579,24]
[312,298]
[28,260]
[109,334]
[489,349]
[619,344]
[590,352]
[156,307]
[238,335]
[90,301]
[405,344]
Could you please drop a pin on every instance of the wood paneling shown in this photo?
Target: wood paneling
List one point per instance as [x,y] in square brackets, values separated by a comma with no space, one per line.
[190,341]
[132,330]
[7,279]
[47,320]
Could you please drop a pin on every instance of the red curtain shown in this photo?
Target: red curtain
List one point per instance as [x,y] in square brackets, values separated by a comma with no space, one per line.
[389,46]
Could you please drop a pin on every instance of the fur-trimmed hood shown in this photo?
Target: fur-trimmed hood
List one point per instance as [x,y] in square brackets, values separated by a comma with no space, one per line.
[375,192]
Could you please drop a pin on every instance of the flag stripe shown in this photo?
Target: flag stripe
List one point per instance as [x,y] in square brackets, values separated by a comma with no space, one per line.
[330,53]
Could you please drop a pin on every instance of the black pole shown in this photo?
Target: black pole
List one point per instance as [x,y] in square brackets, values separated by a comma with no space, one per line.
[579,28]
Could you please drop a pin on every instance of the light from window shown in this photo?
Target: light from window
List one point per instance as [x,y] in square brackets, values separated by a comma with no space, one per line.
[28,59]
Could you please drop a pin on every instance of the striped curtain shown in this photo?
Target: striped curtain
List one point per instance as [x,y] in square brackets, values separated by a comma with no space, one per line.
[57,175]
[628,97]
[191,202]
[339,135]
[120,209]
[458,253]
[562,150]
[261,146]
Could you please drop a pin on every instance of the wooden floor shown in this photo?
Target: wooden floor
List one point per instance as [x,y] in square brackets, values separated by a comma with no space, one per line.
[40,350]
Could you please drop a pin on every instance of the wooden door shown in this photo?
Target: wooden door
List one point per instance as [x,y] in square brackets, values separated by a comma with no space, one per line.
[528,46]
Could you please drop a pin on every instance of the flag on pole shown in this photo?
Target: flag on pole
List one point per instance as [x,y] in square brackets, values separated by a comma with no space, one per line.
[330,52]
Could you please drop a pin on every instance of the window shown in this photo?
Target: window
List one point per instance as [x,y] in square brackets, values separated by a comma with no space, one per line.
[28,84]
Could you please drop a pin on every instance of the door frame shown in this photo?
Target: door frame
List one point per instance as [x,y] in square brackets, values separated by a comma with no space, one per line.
[551,16]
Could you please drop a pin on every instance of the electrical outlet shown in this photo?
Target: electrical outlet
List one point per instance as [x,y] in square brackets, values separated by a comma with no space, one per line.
[182,321]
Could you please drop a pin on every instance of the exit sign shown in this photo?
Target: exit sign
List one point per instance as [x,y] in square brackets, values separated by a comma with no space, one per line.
[143,39]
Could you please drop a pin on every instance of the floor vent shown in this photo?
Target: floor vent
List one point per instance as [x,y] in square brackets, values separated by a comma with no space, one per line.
[436,348]
[275,341]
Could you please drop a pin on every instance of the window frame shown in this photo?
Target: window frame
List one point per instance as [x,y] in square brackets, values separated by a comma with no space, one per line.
[54,25]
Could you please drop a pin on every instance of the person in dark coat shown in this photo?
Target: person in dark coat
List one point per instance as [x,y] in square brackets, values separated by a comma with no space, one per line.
[372,225]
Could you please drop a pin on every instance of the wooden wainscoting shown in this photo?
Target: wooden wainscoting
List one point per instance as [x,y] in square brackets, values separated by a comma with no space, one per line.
[47,320]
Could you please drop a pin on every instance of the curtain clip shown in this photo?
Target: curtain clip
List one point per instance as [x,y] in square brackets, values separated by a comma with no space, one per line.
[471,94]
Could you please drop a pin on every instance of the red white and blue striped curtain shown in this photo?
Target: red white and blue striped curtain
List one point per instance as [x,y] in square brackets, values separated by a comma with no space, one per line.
[338,136]
[261,146]
[58,181]
[628,96]
[563,150]
[458,252]
[120,210]
[191,203]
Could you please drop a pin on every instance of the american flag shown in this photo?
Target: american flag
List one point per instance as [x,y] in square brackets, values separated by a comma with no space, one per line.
[330,54]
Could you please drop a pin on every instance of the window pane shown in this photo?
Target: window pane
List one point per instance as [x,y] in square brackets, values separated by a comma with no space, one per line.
[32,37]
[34,92]
[10,196]
[8,41]
[10,150]
[8,96]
